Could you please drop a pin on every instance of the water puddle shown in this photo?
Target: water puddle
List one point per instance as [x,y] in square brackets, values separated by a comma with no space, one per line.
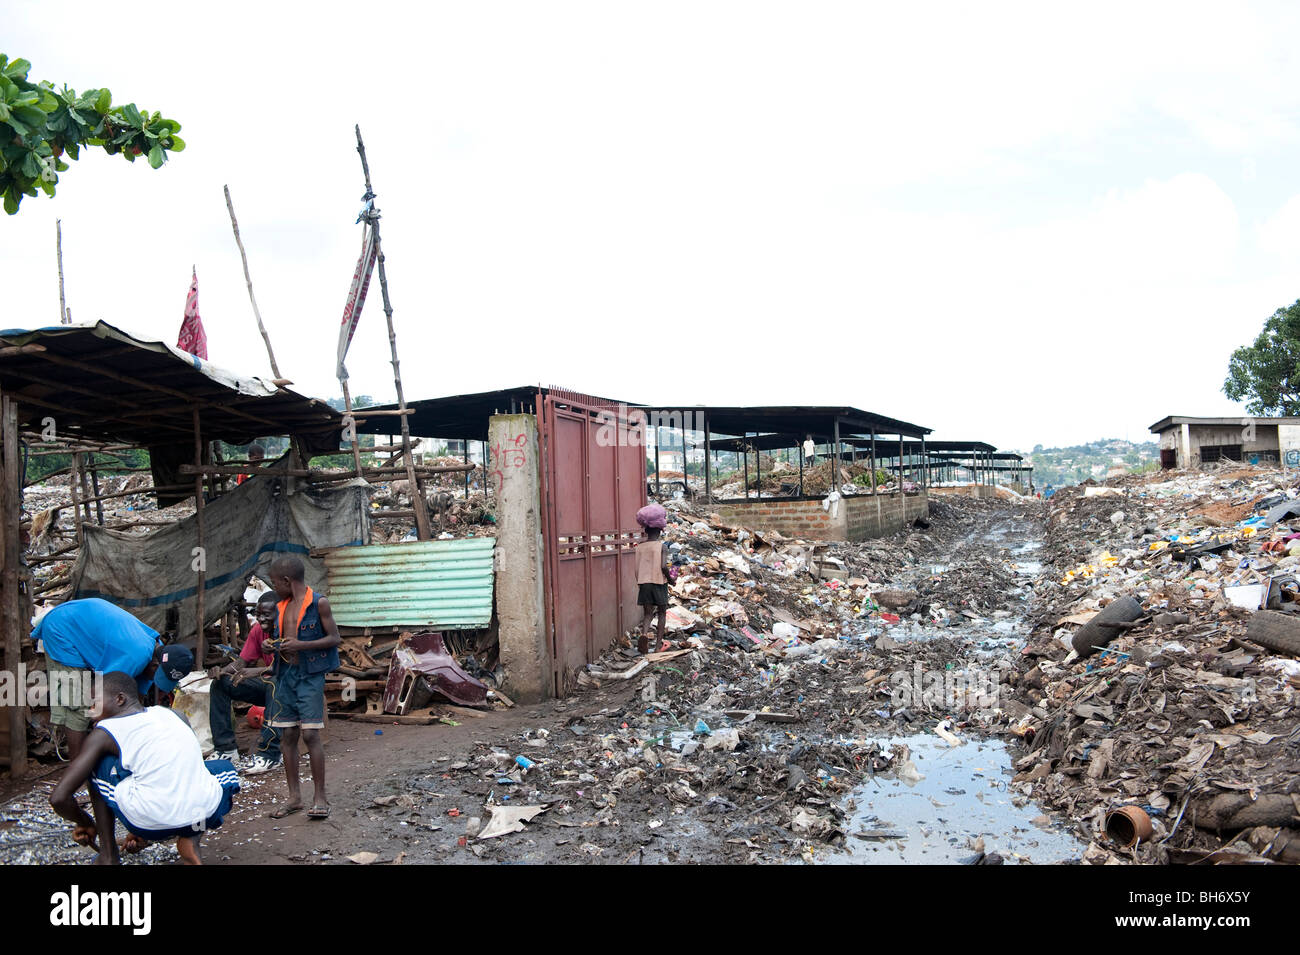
[962,798]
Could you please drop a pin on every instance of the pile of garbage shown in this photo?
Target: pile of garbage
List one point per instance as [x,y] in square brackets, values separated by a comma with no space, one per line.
[774,698]
[782,479]
[1162,675]
[452,513]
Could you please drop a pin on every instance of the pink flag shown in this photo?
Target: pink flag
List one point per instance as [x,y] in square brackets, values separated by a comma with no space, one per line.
[193,338]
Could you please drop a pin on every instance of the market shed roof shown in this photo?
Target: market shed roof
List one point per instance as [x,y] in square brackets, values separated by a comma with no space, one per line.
[99,382]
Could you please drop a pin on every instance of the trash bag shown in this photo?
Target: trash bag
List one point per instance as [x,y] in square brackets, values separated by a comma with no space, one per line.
[652,515]
[191,701]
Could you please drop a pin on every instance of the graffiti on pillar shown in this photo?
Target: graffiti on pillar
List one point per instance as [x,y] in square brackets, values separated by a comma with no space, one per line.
[507,454]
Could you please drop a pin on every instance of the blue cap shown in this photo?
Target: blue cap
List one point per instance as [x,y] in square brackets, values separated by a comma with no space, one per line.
[177,661]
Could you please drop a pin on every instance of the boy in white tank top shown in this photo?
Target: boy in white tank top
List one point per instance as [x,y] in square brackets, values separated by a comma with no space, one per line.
[142,765]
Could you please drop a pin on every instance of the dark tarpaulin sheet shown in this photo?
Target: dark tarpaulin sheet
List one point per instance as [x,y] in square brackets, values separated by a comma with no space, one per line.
[244,531]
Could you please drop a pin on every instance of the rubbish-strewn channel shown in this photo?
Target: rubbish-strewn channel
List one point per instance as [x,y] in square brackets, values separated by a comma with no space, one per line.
[909,699]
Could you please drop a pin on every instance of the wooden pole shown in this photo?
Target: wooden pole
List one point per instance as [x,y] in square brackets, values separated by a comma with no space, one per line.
[74,483]
[422,527]
[708,464]
[11,613]
[86,493]
[356,441]
[201,647]
[873,461]
[900,465]
[248,280]
[65,316]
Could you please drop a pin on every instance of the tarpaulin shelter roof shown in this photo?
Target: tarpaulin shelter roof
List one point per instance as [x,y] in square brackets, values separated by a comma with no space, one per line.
[462,416]
[780,420]
[97,381]
[466,416]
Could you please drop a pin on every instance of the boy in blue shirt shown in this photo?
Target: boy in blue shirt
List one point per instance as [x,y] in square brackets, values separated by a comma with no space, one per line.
[94,636]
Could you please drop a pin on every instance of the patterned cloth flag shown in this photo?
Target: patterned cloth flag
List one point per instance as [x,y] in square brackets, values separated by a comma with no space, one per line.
[357,294]
[193,338]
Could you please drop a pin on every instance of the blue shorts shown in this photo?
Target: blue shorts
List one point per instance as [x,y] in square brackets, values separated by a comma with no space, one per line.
[297,699]
[109,772]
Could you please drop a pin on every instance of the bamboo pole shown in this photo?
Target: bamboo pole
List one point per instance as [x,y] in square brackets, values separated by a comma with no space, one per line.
[64,316]
[248,279]
[356,441]
[422,527]
[318,474]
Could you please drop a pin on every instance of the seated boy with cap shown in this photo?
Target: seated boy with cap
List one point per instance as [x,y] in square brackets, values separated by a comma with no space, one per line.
[143,765]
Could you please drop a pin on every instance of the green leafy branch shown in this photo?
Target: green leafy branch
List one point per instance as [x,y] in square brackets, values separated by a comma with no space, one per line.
[39,126]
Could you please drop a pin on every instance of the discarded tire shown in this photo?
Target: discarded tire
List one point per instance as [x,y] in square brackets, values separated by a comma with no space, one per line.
[1095,633]
[1279,632]
[1230,811]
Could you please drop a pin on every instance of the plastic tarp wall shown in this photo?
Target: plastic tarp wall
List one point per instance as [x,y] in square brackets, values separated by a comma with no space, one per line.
[244,531]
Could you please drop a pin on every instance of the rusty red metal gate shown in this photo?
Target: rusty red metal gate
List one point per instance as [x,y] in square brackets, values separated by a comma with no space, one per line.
[593,483]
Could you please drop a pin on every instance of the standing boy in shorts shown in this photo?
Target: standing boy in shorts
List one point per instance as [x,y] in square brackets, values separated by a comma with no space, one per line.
[652,574]
[306,648]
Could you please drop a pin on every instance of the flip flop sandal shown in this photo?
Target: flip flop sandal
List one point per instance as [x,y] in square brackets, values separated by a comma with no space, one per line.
[318,812]
[284,811]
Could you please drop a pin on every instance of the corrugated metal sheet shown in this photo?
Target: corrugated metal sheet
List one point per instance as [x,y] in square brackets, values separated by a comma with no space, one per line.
[438,584]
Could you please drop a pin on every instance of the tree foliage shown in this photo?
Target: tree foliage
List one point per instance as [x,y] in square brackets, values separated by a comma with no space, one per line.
[39,126]
[1267,374]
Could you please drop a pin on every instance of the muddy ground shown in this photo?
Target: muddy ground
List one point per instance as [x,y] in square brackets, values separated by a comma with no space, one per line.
[854,773]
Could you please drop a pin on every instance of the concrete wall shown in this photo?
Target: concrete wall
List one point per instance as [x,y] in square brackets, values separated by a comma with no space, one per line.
[980,491]
[792,518]
[1190,439]
[519,556]
[857,518]
[1288,439]
[881,514]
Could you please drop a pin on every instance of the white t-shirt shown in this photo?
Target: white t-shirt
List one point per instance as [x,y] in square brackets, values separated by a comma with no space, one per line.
[169,786]
[809,449]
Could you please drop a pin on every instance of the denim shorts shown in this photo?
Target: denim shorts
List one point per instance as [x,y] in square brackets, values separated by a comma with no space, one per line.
[297,699]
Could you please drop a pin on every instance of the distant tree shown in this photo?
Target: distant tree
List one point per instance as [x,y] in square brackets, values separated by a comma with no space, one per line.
[39,125]
[1267,374]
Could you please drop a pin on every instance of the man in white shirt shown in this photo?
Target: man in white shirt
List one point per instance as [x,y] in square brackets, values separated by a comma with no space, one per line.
[809,451]
[142,765]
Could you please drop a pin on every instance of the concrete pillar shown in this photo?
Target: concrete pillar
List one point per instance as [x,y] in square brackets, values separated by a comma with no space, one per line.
[516,486]
[1185,447]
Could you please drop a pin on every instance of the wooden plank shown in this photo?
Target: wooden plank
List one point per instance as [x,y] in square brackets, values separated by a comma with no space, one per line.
[201,651]
[11,615]
[388,718]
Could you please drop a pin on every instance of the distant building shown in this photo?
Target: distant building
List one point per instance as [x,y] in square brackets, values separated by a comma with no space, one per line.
[1191,442]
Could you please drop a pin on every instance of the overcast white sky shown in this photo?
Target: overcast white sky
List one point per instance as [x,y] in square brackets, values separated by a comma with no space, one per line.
[1045,223]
